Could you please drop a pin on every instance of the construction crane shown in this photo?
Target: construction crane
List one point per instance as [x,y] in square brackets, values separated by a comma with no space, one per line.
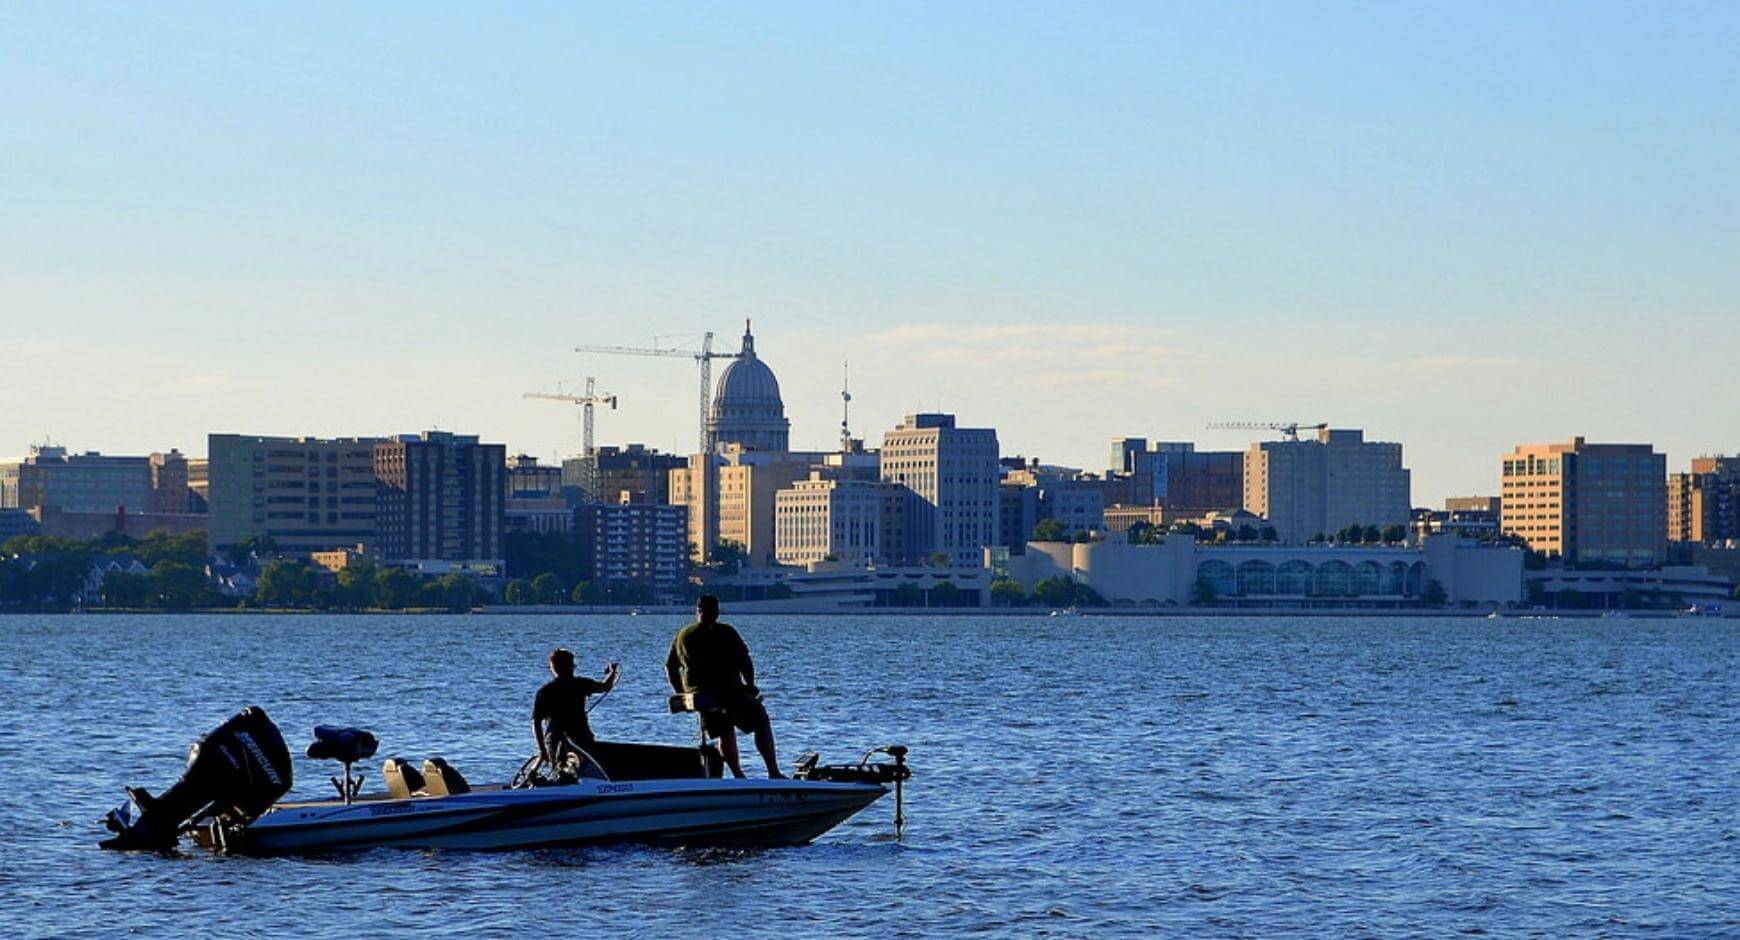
[704,356]
[586,403]
[1289,429]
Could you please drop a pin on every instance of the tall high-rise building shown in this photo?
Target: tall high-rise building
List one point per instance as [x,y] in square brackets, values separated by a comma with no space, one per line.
[306,494]
[1585,502]
[953,476]
[440,498]
[635,541]
[1703,506]
[747,410]
[1338,479]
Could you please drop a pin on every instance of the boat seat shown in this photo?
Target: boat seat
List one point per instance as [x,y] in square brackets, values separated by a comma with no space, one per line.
[347,745]
[403,780]
[440,779]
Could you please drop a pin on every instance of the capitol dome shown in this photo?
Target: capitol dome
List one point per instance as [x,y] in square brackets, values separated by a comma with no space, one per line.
[747,409]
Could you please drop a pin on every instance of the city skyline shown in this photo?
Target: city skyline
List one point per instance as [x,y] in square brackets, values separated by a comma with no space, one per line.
[1459,229]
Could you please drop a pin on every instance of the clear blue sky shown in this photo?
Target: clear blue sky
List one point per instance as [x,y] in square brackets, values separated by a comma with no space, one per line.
[1460,226]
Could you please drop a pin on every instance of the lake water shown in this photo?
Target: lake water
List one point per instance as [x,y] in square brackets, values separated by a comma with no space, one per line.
[1104,776]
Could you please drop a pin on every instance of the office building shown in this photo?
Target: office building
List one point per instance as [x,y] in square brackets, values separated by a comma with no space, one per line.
[305,494]
[440,498]
[1320,485]
[50,478]
[1178,477]
[830,518]
[953,476]
[1588,503]
[731,497]
[640,471]
[1475,517]
[170,492]
[1703,506]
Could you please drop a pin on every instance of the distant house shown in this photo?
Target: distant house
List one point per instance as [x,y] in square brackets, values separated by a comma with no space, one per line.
[101,568]
[231,580]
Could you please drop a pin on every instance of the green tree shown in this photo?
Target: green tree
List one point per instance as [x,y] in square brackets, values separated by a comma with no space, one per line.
[728,557]
[286,583]
[124,589]
[1050,530]
[1055,592]
[1434,594]
[1269,534]
[394,589]
[1008,593]
[1395,533]
[459,593]
[180,586]
[1247,533]
[243,552]
[1143,533]
[1202,593]
[1371,535]
[584,593]
[547,589]
[518,592]
[945,594]
[356,585]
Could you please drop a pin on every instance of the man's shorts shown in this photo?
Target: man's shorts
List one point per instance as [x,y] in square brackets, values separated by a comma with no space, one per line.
[745,713]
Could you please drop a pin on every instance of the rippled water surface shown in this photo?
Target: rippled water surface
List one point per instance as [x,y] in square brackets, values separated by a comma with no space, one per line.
[1075,775]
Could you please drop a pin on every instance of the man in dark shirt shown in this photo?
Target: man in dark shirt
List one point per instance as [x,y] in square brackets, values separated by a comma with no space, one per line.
[709,658]
[559,712]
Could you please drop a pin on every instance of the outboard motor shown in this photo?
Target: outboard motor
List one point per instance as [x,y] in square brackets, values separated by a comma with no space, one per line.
[240,768]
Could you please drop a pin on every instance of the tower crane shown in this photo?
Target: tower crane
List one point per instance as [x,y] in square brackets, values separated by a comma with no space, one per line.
[1289,429]
[704,356]
[586,403]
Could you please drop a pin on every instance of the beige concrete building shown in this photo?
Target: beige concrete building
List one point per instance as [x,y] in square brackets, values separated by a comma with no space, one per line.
[730,497]
[1703,506]
[954,478]
[854,521]
[307,494]
[51,478]
[1585,502]
[1307,487]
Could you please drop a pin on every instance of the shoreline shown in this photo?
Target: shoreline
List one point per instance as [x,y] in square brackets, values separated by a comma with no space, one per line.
[784,608]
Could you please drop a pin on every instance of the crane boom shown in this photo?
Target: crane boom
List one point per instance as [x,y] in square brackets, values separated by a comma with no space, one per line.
[703,356]
[1289,429]
[586,403]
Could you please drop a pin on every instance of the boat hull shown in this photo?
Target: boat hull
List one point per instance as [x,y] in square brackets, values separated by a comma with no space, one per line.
[687,812]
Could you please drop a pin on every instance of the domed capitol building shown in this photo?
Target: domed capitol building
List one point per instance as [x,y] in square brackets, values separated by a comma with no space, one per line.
[747,409]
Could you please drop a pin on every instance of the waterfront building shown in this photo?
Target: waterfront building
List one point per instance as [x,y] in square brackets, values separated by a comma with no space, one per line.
[306,494]
[16,522]
[1600,503]
[439,498]
[1180,570]
[1476,517]
[1666,587]
[747,410]
[50,478]
[1703,506]
[731,496]
[637,541]
[1307,487]
[170,492]
[832,518]
[953,477]
[1177,476]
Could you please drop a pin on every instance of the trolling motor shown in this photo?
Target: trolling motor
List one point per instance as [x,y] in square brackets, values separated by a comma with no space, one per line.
[238,769]
[865,771]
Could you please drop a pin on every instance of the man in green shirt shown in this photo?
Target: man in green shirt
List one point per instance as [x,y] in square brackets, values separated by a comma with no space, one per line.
[709,658]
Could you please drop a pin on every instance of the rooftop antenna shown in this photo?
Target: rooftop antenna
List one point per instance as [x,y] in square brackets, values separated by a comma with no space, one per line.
[846,407]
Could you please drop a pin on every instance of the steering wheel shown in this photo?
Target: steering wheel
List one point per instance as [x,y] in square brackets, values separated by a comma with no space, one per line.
[527,776]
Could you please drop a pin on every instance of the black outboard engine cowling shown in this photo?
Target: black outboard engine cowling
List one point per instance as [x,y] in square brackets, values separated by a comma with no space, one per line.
[239,769]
